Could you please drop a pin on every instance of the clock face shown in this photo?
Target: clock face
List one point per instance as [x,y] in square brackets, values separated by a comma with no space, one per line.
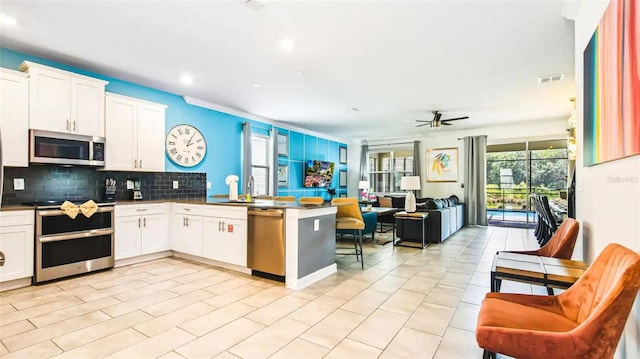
[185,145]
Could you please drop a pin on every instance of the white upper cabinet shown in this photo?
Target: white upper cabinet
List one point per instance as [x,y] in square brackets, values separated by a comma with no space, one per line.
[14,117]
[135,134]
[63,101]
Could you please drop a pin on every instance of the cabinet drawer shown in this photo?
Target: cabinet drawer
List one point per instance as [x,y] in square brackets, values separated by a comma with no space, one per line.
[192,209]
[124,210]
[16,218]
[235,212]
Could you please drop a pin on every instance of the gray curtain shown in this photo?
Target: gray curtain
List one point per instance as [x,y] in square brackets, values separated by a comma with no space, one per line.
[364,159]
[416,163]
[273,188]
[475,148]
[246,156]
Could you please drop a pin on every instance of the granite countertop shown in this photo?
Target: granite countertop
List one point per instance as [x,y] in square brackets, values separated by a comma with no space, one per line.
[261,203]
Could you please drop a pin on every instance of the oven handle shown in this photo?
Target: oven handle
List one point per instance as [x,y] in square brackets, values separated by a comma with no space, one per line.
[58,212]
[76,235]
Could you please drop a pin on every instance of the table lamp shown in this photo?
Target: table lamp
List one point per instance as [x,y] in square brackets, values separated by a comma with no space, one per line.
[363,185]
[410,184]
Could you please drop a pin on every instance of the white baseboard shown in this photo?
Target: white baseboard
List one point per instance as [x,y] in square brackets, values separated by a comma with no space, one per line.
[143,258]
[312,278]
[212,262]
[14,284]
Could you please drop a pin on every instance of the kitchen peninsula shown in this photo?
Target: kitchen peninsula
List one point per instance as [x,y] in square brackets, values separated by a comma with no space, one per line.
[217,231]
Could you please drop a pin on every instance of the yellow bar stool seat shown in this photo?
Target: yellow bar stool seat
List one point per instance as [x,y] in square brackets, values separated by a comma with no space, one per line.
[311,200]
[284,199]
[349,217]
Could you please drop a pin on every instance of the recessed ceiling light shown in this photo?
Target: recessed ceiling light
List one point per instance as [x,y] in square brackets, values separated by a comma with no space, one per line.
[7,20]
[186,79]
[286,44]
[299,73]
[256,85]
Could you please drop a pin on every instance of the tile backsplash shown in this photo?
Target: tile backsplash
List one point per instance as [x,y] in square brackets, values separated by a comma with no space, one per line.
[79,183]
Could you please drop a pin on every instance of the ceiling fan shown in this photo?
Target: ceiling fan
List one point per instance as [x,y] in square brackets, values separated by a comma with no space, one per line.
[437,122]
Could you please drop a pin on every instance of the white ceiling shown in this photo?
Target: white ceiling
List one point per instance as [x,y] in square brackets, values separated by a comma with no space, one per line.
[393,60]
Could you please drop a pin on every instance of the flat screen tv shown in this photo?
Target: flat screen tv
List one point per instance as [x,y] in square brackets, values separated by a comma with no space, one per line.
[318,174]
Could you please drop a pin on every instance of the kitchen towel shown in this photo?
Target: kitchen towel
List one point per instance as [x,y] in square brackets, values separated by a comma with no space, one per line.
[70,209]
[88,208]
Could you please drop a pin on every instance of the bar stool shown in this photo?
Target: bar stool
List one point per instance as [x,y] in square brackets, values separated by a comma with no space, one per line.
[349,217]
[311,200]
[284,199]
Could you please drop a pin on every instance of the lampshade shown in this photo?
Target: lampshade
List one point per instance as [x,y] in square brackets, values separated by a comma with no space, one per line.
[363,185]
[410,183]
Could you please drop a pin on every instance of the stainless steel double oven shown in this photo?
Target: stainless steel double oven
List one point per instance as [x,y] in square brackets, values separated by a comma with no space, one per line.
[66,246]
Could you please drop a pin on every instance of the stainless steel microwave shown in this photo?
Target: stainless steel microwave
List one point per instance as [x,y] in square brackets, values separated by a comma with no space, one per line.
[65,148]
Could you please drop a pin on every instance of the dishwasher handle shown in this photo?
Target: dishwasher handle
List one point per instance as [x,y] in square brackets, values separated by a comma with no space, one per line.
[266,212]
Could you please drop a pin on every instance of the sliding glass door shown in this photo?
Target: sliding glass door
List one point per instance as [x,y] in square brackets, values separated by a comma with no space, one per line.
[516,170]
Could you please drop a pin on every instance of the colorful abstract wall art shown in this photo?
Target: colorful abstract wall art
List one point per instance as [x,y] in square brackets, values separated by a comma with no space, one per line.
[442,165]
[612,85]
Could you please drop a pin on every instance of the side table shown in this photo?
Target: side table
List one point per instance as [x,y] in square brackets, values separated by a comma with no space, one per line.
[411,228]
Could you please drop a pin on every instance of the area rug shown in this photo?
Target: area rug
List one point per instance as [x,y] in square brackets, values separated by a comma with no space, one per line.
[383,238]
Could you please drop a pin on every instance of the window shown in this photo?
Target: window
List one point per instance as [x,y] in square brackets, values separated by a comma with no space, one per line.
[385,177]
[260,164]
[516,170]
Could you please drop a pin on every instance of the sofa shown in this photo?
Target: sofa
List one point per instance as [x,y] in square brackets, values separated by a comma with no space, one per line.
[446,215]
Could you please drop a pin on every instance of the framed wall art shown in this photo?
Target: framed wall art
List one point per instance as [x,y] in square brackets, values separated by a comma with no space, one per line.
[342,154]
[342,178]
[283,144]
[442,165]
[611,111]
[283,175]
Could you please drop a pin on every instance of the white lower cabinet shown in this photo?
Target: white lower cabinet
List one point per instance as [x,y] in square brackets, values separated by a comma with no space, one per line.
[141,229]
[187,228]
[16,244]
[225,240]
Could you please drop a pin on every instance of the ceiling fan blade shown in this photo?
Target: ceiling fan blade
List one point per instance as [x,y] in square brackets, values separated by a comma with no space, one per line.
[423,124]
[446,124]
[457,118]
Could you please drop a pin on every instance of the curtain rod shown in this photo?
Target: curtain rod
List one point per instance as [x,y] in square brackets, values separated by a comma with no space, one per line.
[391,144]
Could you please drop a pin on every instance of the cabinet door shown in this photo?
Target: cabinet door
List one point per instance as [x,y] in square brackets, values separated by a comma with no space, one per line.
[16,242]
[225,240]
[127,236]
[14,119]
[187,234]
[87,106]
[154,234]
[151,137]
[49,100]
[120,127]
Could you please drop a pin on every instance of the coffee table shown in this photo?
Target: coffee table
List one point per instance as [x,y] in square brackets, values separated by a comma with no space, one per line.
[532,269]
[382,211]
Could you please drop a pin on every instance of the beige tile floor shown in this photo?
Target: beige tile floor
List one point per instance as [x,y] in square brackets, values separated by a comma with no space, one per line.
[406,303]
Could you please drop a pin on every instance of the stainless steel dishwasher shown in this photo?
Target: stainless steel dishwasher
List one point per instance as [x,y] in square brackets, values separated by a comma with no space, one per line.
[265,241]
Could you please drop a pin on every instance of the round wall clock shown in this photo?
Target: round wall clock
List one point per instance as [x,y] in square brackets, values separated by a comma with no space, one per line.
[185,145]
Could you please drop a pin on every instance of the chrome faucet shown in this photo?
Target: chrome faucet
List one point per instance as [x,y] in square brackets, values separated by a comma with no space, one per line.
[250,187]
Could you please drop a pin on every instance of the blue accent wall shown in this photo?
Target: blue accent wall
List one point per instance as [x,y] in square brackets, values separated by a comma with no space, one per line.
[302,148]
[222,131]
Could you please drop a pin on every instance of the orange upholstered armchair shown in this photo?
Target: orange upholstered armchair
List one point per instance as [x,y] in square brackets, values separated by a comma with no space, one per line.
[561,244]
[586,321]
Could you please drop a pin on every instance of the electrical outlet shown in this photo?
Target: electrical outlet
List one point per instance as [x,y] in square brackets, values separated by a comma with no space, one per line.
[129,184]
[316,225]
[18,184]
[175,184]
[208,185]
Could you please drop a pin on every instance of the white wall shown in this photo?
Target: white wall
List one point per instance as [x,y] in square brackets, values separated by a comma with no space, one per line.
[608,194]
[543,129]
